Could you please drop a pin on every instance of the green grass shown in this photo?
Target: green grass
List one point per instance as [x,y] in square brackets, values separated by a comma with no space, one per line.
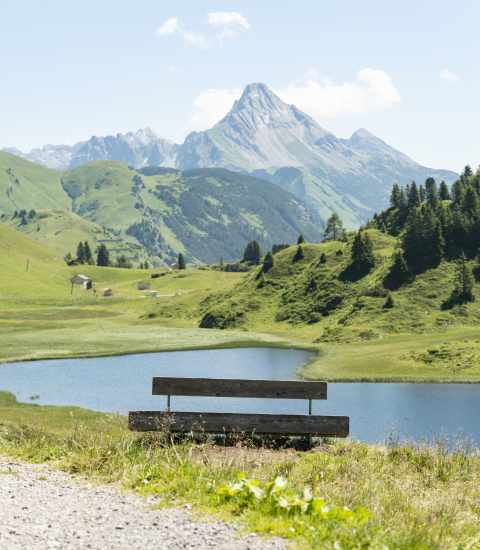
[25,185]
[358,339]
[414,341]
[397,497]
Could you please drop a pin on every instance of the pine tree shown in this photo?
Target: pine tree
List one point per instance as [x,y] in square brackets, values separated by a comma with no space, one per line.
[323,258]
[80,253]
[396,197]
[267,262]
[362,259]
[399,273]
[444,192]
[103,256]
[432,239]
[470,202]
[463,289]
[87,253]
[252,253]
[458,192]
[299,255]
[413,196]
[422,194]
[300,239]
[334,230]
[181,262]
[431,193]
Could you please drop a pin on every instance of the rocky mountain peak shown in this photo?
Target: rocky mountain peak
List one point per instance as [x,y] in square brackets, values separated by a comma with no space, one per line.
[363,133]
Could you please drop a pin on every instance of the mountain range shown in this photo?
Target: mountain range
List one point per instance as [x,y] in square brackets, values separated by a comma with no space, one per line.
[273,141]
[151,213]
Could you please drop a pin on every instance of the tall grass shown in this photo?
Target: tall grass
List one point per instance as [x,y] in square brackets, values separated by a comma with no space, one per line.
[347,495]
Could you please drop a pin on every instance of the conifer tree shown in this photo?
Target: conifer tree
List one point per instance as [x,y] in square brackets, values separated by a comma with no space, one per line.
[431,192]
[300,239]
[413,196]
[399,273]
[470,202]
[323,258]
[334,230]
[444,192]
[80,253]
[181,262]
[396,197]
[422,194]
[362,257]
[87,253]
[252,253]
[299,255]
[267,262]
[463,289]
[103,256]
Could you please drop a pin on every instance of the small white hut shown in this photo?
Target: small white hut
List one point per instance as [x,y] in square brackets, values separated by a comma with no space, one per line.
[82,280]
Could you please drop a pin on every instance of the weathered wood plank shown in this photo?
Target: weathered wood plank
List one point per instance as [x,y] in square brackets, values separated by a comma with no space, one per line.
[284,424]
[285,389]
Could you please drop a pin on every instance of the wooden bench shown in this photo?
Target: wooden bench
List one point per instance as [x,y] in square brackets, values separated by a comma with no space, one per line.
[274,424]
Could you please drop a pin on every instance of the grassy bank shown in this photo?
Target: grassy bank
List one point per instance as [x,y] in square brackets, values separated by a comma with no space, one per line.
[397,497]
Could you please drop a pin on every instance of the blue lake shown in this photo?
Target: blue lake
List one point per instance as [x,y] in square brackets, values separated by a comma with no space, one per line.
[420,412]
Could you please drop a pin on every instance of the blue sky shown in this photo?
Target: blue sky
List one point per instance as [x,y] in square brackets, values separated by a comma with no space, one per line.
[407,71]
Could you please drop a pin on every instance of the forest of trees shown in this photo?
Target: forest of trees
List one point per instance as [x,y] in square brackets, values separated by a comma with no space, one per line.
[433,221]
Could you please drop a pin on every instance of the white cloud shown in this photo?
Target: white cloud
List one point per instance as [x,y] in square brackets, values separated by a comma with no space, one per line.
[446,74]
[229,23]
[212,105]
[170,26]
[371,91]
[191,38]
[222,25]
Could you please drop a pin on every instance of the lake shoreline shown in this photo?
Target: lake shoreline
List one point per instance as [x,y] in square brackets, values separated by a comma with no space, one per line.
[255,343]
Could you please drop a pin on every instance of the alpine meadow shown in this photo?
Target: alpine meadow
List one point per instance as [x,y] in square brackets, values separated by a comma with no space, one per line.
[231,316]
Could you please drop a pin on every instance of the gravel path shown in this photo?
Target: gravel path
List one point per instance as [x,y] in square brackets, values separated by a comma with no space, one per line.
[43,509]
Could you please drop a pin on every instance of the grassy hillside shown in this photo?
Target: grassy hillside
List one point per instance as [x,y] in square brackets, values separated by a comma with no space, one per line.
[24,185]
[28,269]
[208,214]
[359,337]
[304,303]
[152,214]
[40,316]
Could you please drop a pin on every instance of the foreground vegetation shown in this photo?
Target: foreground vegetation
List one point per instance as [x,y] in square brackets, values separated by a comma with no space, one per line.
[338,495]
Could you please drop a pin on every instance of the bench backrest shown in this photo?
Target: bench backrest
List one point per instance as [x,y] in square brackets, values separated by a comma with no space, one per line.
[211,387]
